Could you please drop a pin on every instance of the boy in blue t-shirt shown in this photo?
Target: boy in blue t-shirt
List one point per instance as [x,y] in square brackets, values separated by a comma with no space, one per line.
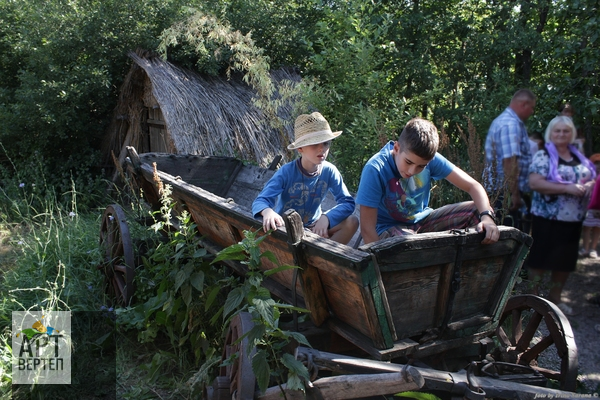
[393,193]
[303,185]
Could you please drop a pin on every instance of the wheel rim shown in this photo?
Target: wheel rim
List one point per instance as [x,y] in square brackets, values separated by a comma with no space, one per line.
[237,380]
[118,256]
[517,329]
[240,374]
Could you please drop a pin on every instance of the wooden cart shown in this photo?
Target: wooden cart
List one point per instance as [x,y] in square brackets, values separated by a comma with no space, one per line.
[415,296]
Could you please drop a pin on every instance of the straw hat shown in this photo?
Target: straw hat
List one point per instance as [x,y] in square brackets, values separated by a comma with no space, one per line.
[311,129]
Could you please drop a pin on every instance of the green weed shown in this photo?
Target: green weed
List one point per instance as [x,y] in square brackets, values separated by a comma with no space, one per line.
[272,360]
[49,253]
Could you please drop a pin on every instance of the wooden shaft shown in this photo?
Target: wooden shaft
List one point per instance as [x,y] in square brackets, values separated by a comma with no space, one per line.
[355,386]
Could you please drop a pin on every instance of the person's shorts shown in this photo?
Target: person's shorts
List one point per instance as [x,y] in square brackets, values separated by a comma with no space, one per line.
[592,219]
[398,230]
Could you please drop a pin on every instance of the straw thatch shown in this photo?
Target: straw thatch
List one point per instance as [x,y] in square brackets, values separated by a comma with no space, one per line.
[165,108]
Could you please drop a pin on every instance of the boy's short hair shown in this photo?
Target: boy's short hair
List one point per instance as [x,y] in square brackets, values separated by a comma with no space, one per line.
[420,136]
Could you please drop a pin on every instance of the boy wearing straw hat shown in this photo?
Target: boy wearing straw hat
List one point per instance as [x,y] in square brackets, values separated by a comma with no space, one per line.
[393,193]
[303,184]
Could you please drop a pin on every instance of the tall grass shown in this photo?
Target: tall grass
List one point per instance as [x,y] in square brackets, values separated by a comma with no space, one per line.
[49,253]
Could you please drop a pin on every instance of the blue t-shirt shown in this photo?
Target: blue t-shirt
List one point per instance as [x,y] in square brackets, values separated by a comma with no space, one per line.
[398,201]
[290,188]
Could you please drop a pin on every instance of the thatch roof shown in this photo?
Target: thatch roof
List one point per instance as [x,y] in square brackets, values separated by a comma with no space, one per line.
[200,114]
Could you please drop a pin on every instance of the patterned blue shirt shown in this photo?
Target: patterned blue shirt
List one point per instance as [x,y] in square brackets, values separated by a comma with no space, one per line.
[507,137]
[290,188]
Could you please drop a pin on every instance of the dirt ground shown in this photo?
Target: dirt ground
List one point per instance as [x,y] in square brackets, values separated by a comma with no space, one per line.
[581,285]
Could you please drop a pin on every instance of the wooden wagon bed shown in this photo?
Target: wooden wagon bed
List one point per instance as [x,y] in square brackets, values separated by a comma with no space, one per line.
[418,294]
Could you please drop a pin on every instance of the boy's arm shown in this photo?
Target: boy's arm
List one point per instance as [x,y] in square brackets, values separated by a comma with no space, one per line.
[271,220]
[368,223]
[344,207]
[466,183]
[265,201]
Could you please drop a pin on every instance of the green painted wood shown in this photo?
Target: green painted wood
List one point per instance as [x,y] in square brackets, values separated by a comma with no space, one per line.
[372,282]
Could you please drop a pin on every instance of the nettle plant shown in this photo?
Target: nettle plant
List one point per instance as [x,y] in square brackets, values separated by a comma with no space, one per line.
[272,361]
[190,298]
[176,288]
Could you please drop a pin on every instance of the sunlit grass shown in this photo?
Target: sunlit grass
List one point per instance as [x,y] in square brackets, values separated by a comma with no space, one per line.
[49,254]
[49,258]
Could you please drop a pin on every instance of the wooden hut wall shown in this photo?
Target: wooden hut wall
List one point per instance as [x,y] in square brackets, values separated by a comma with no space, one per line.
[156,137]
[157,131]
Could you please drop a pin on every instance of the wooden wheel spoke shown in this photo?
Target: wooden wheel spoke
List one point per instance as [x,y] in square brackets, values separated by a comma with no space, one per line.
[533,353]
[502,337]
[517,325]
[120,268]
[530,329]
[239,375]
[119,284]
[526,314]
[111,234]
[118,249]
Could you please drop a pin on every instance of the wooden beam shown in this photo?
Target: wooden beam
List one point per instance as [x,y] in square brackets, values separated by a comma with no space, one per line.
[353,386]
[449,382]
[314,296]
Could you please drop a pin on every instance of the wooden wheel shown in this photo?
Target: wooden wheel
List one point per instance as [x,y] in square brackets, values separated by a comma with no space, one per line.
[237,380]
[519,331]
[118,264]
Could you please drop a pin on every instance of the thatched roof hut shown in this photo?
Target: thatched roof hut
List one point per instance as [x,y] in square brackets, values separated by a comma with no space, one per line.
[165,108]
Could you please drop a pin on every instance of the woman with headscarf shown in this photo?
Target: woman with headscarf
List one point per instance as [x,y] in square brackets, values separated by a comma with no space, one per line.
[561,179]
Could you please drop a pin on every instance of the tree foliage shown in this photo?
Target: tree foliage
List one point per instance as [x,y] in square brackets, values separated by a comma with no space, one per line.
[61,64]
[212,47]
[379,63]
[368,65]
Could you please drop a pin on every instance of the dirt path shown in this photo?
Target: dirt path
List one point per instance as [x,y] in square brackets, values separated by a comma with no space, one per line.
[581,285]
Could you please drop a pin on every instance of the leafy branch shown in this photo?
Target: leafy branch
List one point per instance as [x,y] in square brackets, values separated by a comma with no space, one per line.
[272,360]
[215,44]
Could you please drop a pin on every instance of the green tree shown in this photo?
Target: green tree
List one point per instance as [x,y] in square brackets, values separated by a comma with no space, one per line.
[62,62]
[277,26]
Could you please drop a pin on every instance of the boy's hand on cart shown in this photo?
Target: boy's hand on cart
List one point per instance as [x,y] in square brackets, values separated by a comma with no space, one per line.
[492,233]
[271,220]
[321,227]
